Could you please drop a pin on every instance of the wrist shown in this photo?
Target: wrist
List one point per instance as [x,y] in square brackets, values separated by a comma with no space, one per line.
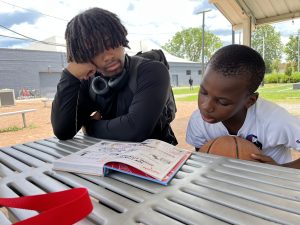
[70,76]
[72,70]
[82,71]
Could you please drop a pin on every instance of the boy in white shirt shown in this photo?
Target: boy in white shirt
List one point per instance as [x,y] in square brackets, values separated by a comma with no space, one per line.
[229,105]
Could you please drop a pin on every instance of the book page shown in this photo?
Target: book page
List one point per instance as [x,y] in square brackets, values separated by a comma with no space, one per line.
[153,157]
[83,161]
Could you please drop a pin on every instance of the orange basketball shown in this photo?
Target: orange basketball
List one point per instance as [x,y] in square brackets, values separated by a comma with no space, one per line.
[230,146]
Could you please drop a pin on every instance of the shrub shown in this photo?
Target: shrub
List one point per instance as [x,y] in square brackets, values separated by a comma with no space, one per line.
[10,129]
[288,69]
[282,78]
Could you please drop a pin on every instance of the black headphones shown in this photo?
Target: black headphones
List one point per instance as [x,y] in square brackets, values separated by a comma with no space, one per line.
[102,85]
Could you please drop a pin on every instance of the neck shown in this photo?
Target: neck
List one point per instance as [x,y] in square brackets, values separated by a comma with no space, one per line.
[235,123]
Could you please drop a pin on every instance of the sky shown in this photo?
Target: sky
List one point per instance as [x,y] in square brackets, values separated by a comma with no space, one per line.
[157,20]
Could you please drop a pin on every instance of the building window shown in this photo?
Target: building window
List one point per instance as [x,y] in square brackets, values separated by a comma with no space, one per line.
[199,72]
[188,72]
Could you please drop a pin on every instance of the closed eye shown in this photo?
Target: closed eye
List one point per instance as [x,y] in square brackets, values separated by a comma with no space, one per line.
[203,91]
[218,100]
[224,102]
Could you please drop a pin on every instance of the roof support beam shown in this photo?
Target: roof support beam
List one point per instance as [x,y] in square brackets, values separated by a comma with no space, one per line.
[237,10]
[247,24]
[246,9]
[283,17]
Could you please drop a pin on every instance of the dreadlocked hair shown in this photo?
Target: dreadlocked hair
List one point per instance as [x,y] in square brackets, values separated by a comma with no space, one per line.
[91,33]
[240,61]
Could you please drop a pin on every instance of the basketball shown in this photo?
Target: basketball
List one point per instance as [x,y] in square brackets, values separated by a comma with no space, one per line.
[231,146]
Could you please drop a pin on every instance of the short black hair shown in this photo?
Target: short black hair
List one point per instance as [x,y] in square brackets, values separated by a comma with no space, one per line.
[91,33]
[240,61]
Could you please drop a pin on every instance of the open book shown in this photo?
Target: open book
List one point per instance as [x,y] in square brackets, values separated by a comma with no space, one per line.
[152,159]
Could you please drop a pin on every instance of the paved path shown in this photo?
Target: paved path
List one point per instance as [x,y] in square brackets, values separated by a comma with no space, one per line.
[185,95]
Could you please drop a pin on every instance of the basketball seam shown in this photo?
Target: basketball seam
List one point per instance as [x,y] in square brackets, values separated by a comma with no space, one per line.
[236,148]
[210,146]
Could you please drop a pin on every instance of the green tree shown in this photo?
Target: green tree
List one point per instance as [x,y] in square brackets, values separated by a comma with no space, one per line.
[291,49]
[275,65]
[188,44]
[288,69]
[267,42]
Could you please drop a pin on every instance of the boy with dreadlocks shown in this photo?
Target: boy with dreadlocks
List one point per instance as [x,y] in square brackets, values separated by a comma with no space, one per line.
[229,105]
[94,91]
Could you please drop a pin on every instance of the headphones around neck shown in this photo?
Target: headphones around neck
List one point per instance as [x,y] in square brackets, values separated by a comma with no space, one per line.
[102,85]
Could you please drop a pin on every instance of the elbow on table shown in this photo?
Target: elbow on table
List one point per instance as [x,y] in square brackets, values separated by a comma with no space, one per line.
[62,134]
[60,129]
[138,135]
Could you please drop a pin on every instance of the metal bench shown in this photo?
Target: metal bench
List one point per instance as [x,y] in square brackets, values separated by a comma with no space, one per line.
[207,190]
[47,100]
[23,112]
[4,220]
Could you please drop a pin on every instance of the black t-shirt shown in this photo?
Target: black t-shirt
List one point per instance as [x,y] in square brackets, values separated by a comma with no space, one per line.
[126,116]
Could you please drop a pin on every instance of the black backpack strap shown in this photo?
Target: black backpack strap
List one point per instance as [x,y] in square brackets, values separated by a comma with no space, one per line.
[135,61]
[156,55]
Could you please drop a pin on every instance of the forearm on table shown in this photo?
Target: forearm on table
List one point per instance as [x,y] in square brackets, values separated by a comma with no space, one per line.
[294,164]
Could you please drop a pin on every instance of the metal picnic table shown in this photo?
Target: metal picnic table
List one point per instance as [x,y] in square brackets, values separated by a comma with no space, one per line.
[207,190]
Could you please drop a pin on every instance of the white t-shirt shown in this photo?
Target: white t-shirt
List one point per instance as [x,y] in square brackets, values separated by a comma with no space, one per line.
[266,123]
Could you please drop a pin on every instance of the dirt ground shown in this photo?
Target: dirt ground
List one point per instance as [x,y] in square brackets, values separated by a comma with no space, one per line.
[39,125]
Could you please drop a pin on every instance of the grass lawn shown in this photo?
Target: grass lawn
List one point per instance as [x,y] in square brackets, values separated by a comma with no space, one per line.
[272,92]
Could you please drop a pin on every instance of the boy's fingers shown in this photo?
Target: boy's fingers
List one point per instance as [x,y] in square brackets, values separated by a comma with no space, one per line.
[263,158]
[256,155]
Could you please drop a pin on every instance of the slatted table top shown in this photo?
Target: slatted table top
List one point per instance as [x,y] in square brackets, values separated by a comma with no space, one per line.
[207,190]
